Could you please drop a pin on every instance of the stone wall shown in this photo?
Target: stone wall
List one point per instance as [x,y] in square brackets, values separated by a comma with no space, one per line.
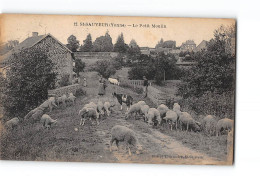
[59,55]
[64,90]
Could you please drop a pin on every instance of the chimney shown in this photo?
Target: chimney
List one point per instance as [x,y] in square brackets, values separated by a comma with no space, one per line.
[34,34]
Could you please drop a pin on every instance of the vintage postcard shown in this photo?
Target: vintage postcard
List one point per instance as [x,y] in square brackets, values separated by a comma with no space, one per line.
[117,89]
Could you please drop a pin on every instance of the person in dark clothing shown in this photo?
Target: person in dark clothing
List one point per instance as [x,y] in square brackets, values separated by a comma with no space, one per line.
[145,87]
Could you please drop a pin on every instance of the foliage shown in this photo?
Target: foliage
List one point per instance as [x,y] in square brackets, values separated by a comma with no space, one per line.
[215,71]
[87,44]
[27,81]
[120,45]
[106,68]
[103,44]
[73,43]
[80,92]
[220,105]
[159,68]
[79,66]
[64,80]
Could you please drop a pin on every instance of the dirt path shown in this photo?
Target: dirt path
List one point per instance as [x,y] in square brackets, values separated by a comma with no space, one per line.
[157,147]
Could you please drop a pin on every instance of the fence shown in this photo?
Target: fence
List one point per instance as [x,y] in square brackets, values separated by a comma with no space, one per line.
[156,96]
[64,90]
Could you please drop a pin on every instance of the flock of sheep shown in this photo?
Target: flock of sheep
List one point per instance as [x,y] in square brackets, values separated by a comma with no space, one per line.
[154,117]
[174,117]
[161,115]
[38,114]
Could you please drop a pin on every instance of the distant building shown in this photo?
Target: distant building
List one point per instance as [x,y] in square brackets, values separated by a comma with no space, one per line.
[201,46]
[189,45]
[60,55]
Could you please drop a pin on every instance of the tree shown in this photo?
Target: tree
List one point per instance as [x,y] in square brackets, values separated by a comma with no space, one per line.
[159,44]
[79,66]
[28,79]
[103,44]
[87,44]
[105,68]
[215,71]
[73,43]
[120,45]
[162,67]
[133,51]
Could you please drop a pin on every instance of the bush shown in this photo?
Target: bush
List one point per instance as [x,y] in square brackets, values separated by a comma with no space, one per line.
[80,92]
[30,75]
[65,80]
[211,103]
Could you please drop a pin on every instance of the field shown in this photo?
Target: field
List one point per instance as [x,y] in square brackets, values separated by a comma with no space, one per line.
[68,141]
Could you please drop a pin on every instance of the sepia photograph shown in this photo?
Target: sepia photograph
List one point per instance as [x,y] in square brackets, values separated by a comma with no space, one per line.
[117,89]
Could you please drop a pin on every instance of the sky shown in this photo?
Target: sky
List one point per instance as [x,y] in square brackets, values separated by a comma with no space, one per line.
[19,27]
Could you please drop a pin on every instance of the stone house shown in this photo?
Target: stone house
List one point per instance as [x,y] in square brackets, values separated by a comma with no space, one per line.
[189,45]
[60,55]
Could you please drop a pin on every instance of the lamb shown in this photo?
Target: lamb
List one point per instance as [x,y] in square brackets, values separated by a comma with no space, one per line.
[71,98]
[90,111]
[113,81]
[36,113]
[224,124]
[62,100]
[144,110]
[47,121]
[107,108]
[171,118]
[176,107]
[162,109]
[126,135]
[209,124]
[153,117]
[186,119]
[10,124]
[135,108]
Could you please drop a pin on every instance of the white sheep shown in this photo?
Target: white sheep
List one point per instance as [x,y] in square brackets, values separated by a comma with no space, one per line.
[126,135]
[107,108]
[135,108]
[91,105]
[209,124]
[162,109]
[153,117]
[71,98]
[36,113]
[171,118]
[141,103]
[62,100]
[113,81]
[47,121]
[176,107]
[144,110]
[224,124]
[186,119]
[90,111]
[10,124]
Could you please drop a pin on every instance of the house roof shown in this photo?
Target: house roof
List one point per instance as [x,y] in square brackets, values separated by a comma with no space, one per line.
[202,45]
[28,43]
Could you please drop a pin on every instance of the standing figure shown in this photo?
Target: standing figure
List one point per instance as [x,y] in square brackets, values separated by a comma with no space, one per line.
[85,82]
[145,87]
[102,86]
